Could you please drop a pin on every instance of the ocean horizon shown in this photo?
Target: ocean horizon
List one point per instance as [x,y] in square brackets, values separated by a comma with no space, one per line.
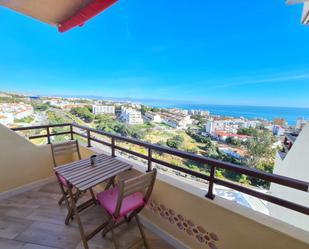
[290,114]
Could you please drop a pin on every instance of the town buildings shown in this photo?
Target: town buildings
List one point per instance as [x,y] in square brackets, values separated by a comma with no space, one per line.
[300,124]
[103,109]
[63,104]
[175,119]
[11,111]
[199,112]
[229,125]
[280,122]
[278,130]
[153,117]
[131,116]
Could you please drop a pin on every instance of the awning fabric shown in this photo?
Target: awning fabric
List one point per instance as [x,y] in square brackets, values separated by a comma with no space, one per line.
[88,12]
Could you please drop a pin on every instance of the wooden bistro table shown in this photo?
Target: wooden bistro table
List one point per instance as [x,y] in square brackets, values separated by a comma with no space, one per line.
[83,176]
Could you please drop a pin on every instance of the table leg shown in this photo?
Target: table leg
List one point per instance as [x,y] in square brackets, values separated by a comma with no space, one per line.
[80,226]
[111,182]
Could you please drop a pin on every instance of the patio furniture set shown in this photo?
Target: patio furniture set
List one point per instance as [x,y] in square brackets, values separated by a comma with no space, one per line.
[121,202]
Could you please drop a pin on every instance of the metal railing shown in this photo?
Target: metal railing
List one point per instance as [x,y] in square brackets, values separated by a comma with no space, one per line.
[212,163]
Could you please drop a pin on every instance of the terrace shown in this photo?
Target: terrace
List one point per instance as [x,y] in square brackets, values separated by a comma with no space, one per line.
[182,213]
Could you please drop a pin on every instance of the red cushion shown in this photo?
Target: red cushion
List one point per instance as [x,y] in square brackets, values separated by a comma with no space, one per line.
[89,11]
[108,200]
[63,181]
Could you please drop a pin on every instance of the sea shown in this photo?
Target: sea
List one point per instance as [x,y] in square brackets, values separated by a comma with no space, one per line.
[290,114]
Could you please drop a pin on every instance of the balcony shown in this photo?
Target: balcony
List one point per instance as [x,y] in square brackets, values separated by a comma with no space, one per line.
[182,213]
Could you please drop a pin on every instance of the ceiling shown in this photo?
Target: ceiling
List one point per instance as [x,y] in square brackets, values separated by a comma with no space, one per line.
[52,12]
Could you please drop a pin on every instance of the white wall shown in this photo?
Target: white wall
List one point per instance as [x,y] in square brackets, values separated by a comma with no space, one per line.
[295,165]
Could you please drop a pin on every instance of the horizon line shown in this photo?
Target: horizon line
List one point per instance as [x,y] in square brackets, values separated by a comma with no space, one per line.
[132,99]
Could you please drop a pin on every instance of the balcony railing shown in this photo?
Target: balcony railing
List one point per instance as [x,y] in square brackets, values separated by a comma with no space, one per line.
[212,163]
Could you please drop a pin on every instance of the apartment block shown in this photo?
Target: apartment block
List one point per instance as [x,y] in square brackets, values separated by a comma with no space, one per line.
[103,109]
[153,117]
[131,116]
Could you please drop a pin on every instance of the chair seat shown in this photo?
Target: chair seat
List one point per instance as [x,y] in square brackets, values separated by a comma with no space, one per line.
[108,200]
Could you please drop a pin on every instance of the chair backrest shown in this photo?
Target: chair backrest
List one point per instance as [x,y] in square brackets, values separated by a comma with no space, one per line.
[64,148]
[143,183]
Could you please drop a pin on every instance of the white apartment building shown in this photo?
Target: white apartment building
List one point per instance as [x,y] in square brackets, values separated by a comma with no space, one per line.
[278,130]
[210,127]
[131,116]
[179,111]
[176,120]
[199,112]
[295,165]
[103,109]
[153,117]
[230,125]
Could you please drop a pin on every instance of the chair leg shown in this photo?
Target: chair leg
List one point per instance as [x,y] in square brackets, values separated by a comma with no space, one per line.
[141,231]
[108,227]
[61,200]
[65,199]
[93,196]
[111,182]
[76,213]
[114,238]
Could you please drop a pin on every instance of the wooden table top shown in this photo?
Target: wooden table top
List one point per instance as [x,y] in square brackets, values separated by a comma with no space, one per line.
[82,175]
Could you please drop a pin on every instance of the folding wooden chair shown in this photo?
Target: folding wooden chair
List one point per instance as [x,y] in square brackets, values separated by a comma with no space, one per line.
[124,202]
[61,149]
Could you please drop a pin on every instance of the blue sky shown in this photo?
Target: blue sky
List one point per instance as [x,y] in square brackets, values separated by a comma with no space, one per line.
[213,52]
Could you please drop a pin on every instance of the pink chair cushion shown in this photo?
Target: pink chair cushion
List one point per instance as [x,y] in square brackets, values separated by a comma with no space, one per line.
[108,200]
[63,181]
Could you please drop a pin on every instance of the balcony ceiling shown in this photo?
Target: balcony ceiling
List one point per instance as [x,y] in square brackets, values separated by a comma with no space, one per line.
[51,12]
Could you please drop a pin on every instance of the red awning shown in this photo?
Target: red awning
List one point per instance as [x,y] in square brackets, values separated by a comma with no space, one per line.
[89,11]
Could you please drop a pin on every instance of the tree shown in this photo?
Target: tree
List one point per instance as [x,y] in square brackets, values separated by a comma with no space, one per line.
[233,141]
[144,109]
[40,107]
[201,119]
[84,113]
[260,149]
[248,132]
[199,138]
[266,167]
[175,142]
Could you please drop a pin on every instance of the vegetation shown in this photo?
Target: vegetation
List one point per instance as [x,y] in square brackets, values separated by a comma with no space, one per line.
[233,141]
[259,151]
[261,155]
[28,120]
[40,107]
[199,138]
[13,99]
[145,109]
[55,118]
[248,132]
[201,120]
[175,142]
[83,113]
[110,124]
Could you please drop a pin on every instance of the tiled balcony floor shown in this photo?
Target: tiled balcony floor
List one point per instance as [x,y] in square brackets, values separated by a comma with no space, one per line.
[34,220]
